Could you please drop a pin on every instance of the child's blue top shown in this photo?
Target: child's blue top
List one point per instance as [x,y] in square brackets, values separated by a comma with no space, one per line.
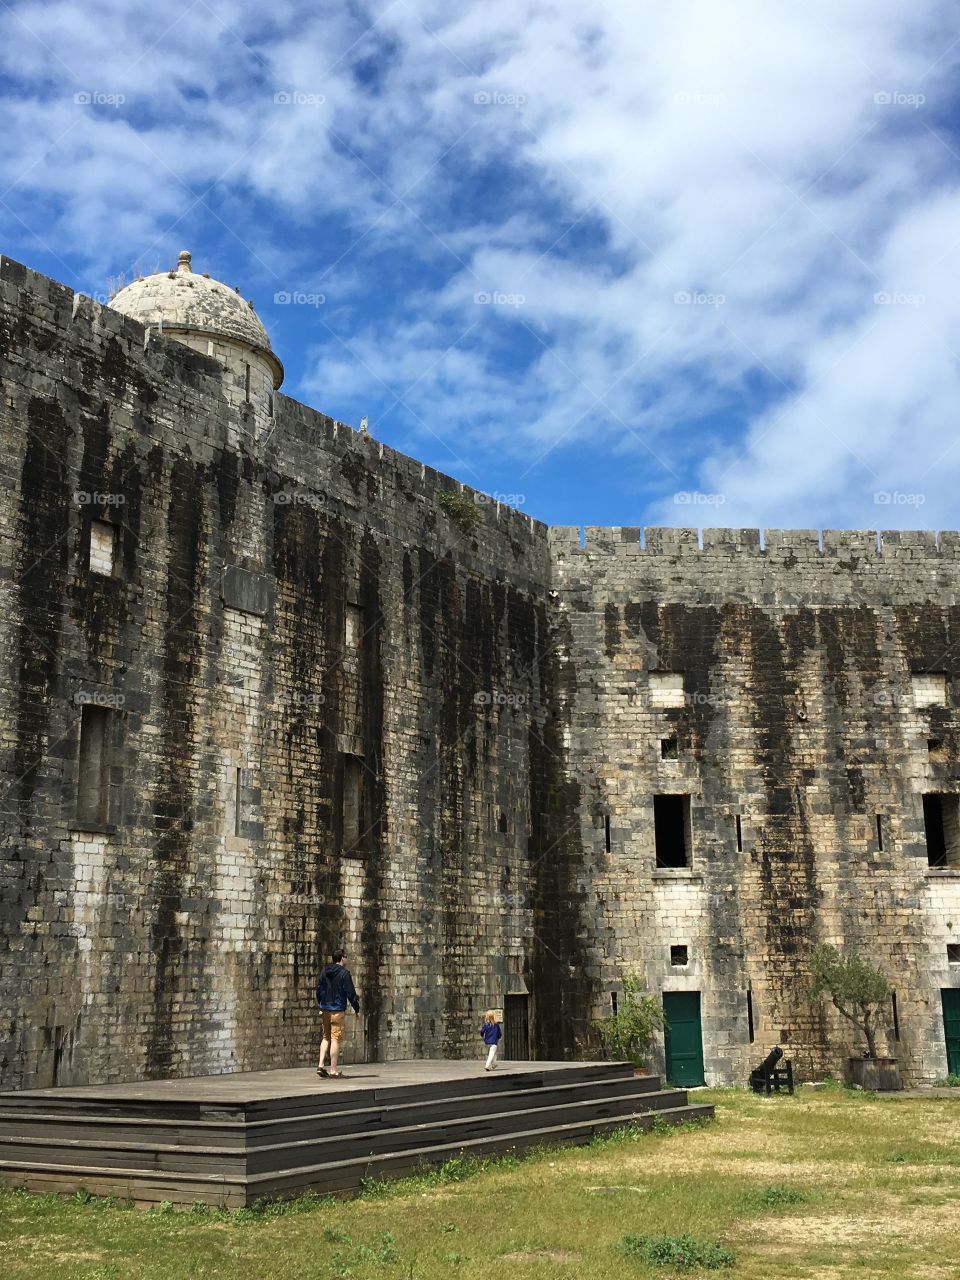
[491,1032]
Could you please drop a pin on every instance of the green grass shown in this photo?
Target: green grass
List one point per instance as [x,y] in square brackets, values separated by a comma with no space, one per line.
[828,1185]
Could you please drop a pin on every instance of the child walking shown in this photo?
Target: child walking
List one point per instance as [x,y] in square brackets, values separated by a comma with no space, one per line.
[492,1034]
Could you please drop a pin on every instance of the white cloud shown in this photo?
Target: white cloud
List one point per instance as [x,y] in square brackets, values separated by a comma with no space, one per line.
[773,163]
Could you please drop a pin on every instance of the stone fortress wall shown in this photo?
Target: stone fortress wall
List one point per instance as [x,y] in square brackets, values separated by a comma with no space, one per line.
[818,702]
[335,709]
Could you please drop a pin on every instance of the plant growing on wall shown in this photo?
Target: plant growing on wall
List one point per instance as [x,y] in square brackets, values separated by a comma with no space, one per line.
[629,1032]
[856,988]
[460,508]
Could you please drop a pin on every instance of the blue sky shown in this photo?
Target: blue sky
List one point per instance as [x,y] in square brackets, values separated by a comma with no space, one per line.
[624,263]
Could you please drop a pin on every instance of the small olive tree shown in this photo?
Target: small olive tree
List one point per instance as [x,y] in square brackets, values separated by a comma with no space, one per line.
[856,988]
[629,1032]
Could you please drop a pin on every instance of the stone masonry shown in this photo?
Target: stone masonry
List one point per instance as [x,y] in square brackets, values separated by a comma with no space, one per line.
[329,696]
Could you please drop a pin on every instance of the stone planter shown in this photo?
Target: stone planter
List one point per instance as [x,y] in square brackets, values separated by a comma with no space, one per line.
[882,1074]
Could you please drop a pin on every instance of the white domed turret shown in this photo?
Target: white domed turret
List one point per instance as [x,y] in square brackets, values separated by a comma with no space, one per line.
[210,317]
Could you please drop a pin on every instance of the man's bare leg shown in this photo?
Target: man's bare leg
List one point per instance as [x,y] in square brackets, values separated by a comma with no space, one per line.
[324,1046]
[334,1056]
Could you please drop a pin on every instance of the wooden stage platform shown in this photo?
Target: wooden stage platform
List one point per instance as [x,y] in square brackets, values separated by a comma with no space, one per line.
[233,1139]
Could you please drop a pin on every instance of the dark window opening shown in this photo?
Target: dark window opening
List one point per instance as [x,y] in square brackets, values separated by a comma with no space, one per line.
[784,1035]
[502,823]
[671,822]
[750,1027]
[739,834]
[941,824]
[934,745]
[238,802]
[246,383]
[879,834]
[669,749]
[613,1002]
[678,955]
[896,1015]
[606,832]
[92,782]
[953,952]
[352,802]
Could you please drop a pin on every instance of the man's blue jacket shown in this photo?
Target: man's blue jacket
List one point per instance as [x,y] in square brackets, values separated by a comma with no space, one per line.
[334,988]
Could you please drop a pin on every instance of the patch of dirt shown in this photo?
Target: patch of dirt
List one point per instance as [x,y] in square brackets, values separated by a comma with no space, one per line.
[600,1190]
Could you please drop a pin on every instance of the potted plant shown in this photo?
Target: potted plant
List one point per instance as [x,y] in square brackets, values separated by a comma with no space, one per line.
[857,991]
[628,1033]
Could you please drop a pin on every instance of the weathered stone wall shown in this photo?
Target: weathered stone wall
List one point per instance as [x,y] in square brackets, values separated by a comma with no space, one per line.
[184,936]
[293,605]
[798,715]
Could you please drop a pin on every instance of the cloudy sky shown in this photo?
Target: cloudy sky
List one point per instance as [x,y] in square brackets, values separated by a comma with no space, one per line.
[626,262]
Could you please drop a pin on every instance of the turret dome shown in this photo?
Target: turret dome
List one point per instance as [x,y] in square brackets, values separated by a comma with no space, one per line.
[183,302]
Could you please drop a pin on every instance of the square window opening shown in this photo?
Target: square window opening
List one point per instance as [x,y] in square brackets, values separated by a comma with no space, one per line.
[941,824]
[672,832]
[666,689]
[953,952]
[929,689]
[669,749]
[678,955]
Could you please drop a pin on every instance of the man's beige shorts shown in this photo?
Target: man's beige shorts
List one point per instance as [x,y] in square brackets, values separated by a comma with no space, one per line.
[333,1024]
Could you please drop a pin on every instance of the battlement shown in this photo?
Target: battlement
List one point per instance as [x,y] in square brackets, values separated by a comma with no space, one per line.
[784,546]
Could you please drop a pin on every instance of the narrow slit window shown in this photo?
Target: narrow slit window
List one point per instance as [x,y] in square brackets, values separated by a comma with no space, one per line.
[92,777]
[739,827]
[613,1002]
[352,803]
[246,383]
[103,548]
[941,824]
[672,835]
[896,1015]
[879,833]
[750,1027]
[353,626]
[238,802]
[606,832]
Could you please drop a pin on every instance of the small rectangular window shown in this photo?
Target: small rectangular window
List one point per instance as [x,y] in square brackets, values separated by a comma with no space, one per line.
[896,1015]
[613,1002]
[941,823]
[103,548]
[666,689]
[953,952]
[352,802]
[238,802]
[606,832]
[678,955]
[879,833]
[750,1029]
[93,775]
[672,835]
[669,749]
[246,383]
[739,834]
[929,689]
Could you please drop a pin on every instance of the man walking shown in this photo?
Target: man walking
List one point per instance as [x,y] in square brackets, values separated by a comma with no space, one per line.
[334,988]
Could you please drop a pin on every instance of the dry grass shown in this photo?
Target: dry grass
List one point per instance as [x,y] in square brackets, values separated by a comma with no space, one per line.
[826,1186]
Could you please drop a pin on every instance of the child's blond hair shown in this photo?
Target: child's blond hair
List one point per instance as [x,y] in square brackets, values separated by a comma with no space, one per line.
[490,1015]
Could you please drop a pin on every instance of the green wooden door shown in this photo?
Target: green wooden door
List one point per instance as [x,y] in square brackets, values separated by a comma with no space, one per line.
[951,1027]
[683,1037]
